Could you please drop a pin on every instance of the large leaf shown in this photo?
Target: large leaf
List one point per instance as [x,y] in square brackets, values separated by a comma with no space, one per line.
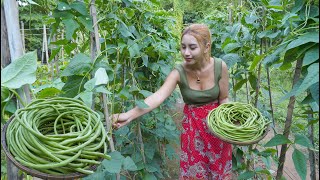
[73,86]
[141,104]
[101,77]
[62,6]
[48,92]
[71,26]
[78,65]
[145,93]
[277,140]
[231,59]
[239,84]
[86,97]
[256,61]
[311,79]
[246,175]
[302,140]
[133,48]
[300,163]
[80,7]
[125,31]
[113,165]
[128,164]
[314,90]
[311,55]
[308,37]
[20,72]
[87,22]
[89,85]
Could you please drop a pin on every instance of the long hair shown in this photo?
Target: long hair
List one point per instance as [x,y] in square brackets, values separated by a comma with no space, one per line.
[202,33]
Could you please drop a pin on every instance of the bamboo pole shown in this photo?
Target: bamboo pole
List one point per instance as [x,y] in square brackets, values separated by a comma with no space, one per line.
[95,49]
[16,51]
[22,37]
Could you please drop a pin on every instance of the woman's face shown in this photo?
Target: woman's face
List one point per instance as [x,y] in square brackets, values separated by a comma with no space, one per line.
[191,50]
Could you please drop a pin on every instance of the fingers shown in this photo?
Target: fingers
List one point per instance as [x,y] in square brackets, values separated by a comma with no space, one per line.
[118,125]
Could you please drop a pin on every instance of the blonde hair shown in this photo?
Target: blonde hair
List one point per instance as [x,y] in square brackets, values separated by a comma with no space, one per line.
[202,33]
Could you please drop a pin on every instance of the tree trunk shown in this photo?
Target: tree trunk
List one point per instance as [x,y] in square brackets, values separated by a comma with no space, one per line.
[311,152]
[288,122]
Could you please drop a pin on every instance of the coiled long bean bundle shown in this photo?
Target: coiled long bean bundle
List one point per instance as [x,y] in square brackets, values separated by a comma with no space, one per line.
[238,122]
[57,136]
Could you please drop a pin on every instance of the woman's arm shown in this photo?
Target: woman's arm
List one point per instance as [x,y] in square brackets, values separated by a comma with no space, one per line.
[224,84]
[152,101]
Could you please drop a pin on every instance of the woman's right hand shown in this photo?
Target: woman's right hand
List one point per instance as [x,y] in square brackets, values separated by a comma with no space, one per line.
[119,120]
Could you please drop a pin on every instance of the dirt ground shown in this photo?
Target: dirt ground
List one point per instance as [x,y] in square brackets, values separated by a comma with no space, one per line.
[289,171]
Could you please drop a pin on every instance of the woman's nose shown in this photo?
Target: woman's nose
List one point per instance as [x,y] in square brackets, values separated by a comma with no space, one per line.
[187,52]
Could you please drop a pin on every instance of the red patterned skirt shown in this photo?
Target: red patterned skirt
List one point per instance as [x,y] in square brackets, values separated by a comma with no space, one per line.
[203,156]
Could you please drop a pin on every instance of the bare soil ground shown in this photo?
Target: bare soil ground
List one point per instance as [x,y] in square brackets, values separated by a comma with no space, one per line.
[289,171]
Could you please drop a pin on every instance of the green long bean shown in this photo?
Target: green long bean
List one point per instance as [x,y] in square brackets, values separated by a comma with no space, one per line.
[57,136]
[237,122]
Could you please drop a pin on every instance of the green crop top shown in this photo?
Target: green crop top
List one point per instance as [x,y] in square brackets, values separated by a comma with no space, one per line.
[199,97]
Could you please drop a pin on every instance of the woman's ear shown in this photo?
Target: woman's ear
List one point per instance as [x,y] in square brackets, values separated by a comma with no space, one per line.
[207,48]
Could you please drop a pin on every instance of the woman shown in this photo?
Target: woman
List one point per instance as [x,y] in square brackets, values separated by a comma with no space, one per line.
[203,82]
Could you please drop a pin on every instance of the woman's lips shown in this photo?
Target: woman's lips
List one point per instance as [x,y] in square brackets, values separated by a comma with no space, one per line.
[188,59]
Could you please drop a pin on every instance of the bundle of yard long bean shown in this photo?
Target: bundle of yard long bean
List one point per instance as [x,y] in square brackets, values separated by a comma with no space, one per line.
[57,136]
[238,122]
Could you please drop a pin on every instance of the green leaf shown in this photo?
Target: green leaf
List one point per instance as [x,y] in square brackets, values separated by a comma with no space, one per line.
[54,52]
[87,22]
[62,14]
[128,164]
[230,47]
[311,78]
[256,61]
[73,86]
[246,175]
[145,93]
[20,72]
[170,152]
[303,39]
[253,80]
[62,6]
[314,90]
[302,140]
[101,76]
[71,26]
[113,165]
[124,93]
[149,176]
[141,104]
[102,89]
[32,2]
[133,49]
[86,97]
[300,163]
[89,85]
[80,7]
[79,64]
[311,55]
[125,31]
[145,60]
[278,139]
[69,47]
[239,84]
[48,92]
[151,168]
[231,59]
[149,150]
